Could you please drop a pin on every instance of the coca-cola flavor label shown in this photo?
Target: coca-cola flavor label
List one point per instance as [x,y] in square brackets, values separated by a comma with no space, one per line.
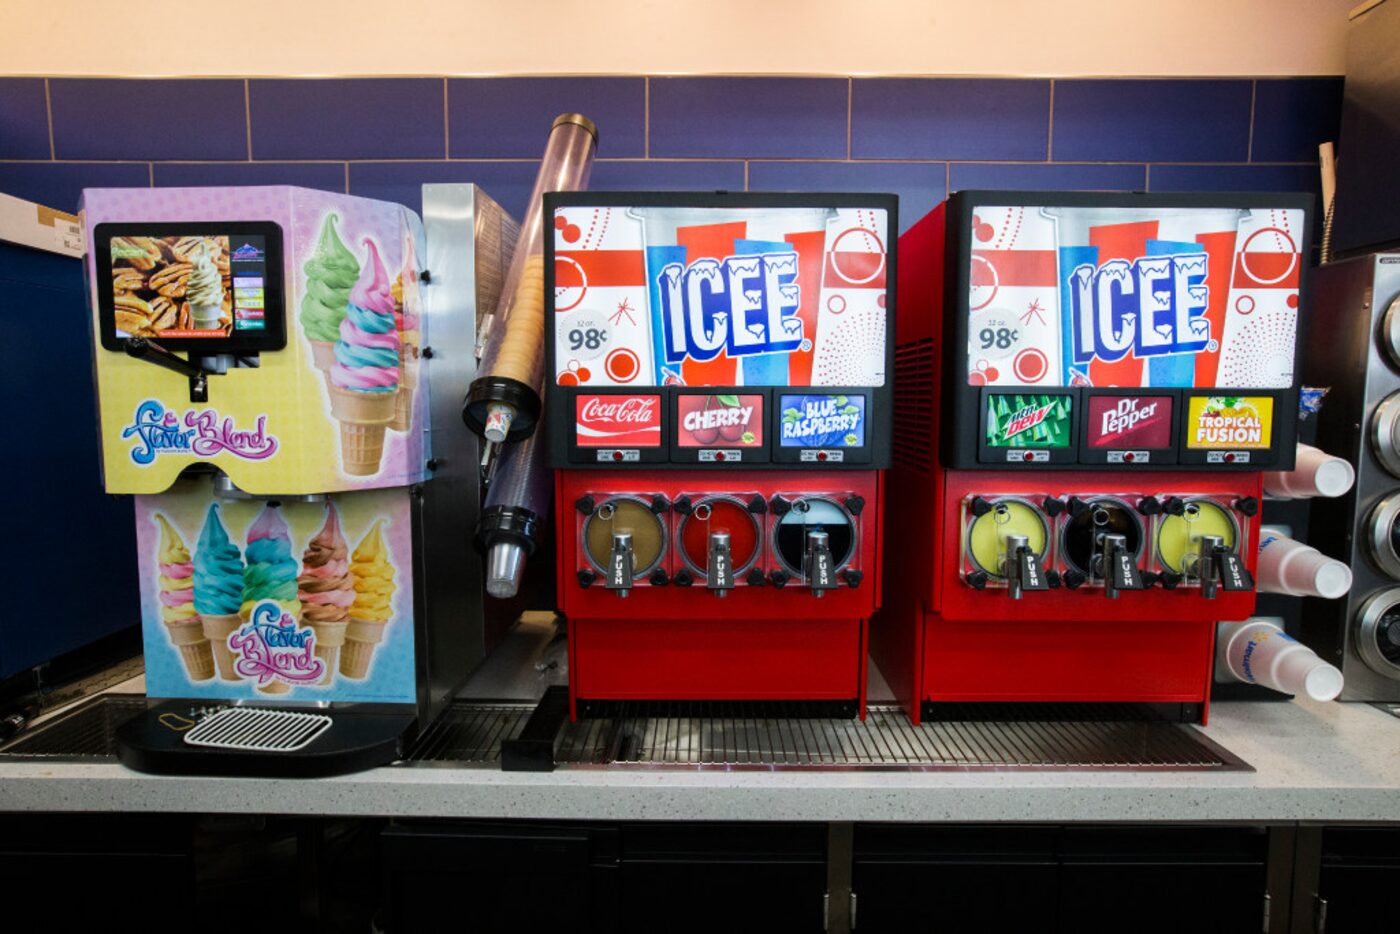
[1130,421]
[1135,297]
[616,421]
[720,420]
[1229,422]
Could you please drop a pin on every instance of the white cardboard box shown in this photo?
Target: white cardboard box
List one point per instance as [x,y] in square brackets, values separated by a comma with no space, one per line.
[34,225]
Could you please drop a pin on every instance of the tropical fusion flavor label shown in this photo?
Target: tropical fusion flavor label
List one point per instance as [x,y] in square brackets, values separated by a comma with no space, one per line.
[1130,421]
[618,421]
[1229,422]
[822,421]
[719,420]
[1133,297]
[1030,421]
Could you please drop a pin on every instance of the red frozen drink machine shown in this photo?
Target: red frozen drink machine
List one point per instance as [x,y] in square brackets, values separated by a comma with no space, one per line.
[1088,389]
[719,421]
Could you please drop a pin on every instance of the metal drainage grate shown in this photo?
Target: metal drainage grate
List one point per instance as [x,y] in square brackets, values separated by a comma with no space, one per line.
[255,729]
[471,733]
[87,731]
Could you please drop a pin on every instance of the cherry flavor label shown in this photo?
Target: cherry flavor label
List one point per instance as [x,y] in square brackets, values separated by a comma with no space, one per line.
[714,420]
[1130,421]
[616,421]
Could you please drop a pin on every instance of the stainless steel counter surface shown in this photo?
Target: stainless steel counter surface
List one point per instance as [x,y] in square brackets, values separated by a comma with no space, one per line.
[1313,762]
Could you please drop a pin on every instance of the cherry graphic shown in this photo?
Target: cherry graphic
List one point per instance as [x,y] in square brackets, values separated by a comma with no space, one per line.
[706,435]
[732,432]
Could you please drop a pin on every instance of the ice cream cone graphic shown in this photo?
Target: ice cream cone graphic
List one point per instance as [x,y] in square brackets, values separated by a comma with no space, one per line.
[218,586]
[177,610]
[365,378]
[406,322]
[369,614]
[205,292]
[326,589]
[271,575]
[330,275]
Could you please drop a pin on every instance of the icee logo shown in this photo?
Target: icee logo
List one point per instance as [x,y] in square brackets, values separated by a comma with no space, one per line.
[272,647]
[745,305]
[1152,306]
[157,430]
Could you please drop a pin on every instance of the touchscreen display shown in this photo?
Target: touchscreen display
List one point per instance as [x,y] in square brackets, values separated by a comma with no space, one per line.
[826,420]
[719,420]
[188,286]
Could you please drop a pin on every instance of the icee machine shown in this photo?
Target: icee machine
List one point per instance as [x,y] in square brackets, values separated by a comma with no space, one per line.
[1088,389]
[719,423]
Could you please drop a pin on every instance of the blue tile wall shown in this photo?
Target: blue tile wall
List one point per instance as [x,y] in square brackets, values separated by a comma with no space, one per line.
[917,137]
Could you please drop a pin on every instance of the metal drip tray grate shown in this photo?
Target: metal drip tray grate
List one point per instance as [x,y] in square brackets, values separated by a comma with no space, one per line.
[87,731]
[726,738]
[255,729]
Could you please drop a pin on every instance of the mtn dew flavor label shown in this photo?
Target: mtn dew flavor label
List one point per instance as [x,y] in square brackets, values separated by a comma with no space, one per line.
[1029,421]
[1245,422]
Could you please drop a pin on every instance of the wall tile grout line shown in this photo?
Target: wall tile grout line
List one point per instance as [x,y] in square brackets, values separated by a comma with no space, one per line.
[347,178]
[646,117]
[446,131]
[947,178]
[1147,177]
[1253,96]
[850,105]
[746,175]
[151,173]
[1050,129]
[48,107]
[248,116]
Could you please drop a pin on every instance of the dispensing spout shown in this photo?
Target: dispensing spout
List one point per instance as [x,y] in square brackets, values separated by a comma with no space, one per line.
[1220,565]
[1021,566]
[144,349]
[1120,570]
[820,569]
[1205,564]
[621,564]
[719,568]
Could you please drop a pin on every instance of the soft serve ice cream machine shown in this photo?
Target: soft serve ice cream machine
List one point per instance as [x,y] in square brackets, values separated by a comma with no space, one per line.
[1088,389]
[266,391]
[719,421]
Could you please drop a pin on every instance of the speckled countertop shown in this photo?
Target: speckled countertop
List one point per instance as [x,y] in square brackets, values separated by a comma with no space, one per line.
[1314,762]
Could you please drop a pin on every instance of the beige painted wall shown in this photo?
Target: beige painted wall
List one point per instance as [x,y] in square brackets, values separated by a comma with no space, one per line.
[947,37]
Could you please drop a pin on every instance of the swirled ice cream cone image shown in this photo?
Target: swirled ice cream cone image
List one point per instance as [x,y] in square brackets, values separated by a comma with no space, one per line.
[326,589]
[369,614]
[218,589]
[177,610]
[406,320]
[330,275]
[270,575]
[204,290]
[365,377]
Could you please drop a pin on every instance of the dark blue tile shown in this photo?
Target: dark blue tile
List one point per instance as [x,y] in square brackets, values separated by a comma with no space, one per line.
[509,118]
[667,176]
[1048,177]
[949,118]
[508,183]
[1234,178]
[1293,115]
[347,118]
[1162,120]
[24,119]
[59,185]
[123,118]
[920,185]
[749,118]
[327,176]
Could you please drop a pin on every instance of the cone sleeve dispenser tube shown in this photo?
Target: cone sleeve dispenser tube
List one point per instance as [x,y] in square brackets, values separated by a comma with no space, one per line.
[512,522]
[503,403]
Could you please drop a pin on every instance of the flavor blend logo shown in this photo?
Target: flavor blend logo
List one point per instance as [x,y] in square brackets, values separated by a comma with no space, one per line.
[603,421]
[272,647]
[157,430]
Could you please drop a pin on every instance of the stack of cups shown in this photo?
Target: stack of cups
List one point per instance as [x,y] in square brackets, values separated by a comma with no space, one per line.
[1317,474]
[1258,651]
[1287,566]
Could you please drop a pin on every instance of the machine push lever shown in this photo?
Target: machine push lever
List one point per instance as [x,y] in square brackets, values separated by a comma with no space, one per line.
[142,349]
[719,569]
[1120,568]
[621,563]
[820,570]
[1023,567]
[1221,565]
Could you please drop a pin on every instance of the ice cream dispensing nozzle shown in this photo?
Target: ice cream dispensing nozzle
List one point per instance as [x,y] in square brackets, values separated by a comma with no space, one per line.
[719,568]
[621,563]
[820,570]
[151,352]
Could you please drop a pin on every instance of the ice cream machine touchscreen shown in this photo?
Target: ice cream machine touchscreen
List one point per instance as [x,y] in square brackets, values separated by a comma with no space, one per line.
[719,421]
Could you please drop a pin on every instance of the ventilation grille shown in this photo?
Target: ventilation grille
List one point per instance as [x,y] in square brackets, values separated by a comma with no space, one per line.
[913,405]
[253,729]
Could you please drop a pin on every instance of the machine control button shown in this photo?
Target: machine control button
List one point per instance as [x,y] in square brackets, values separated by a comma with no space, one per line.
[1026,570]
[1120,566]
[586,578]
[821,456]
[852,577]
[1247,505]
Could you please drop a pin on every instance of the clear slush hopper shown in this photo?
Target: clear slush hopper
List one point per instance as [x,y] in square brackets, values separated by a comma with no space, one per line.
[504,400]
